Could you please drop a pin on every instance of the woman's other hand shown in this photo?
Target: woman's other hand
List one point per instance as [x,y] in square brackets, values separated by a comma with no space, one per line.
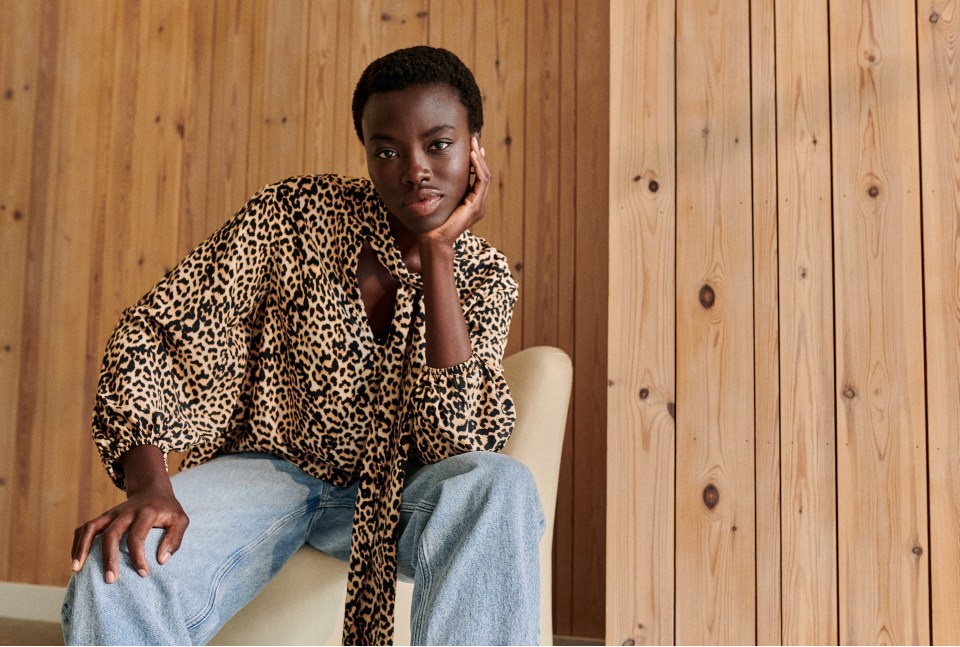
[150,504]
[471,209]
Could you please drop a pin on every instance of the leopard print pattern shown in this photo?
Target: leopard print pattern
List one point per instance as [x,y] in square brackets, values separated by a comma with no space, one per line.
[258,341]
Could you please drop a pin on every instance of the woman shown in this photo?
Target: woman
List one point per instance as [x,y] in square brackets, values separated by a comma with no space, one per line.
[330,359]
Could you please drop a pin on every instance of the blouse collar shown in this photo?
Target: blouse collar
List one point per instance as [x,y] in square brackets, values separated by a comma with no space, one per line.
[375,229]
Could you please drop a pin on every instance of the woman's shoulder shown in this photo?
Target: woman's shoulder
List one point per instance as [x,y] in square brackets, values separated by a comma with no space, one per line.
[480,263]
[328,188]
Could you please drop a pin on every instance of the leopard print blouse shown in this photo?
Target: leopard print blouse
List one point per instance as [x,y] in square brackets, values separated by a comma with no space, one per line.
[258,341]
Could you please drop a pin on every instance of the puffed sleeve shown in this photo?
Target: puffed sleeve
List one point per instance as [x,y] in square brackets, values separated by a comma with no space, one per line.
[174,365]
[468,407]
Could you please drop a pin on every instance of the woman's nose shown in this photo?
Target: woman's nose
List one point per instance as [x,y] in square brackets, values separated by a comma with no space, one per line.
[417,171]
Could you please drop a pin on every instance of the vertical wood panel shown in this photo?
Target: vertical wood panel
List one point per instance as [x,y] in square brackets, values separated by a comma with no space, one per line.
[322,106]
[174,99]
[277,112]
[542,152]
[362,21]
[641,361]
[715,567]
[19,52]
[452,24]
[766,319]
[808,456]
[938,28]
[500,70]
[230,109]
[113,250]
[591,121]
[71,209]
[882,503]
[194,219]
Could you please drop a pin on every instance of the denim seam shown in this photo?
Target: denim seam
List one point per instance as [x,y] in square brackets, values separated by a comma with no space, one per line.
[426,579]
[234,559]
[420,506]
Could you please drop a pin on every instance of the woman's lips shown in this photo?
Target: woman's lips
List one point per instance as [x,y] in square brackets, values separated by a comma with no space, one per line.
[422,201]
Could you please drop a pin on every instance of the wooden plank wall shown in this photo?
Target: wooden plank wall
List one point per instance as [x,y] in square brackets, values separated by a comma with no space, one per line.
[784,245]
[132,129]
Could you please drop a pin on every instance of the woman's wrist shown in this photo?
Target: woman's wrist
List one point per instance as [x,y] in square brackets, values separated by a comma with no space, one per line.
[144,469]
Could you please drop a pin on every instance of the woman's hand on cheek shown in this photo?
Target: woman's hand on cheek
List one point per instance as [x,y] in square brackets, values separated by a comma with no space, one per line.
[471,208]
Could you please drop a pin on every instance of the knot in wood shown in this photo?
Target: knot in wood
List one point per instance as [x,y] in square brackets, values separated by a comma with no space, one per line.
[934,17]
[672,410]
[873,191]
[654,186]
[917,551]
[629,641]
[644,393]
[849,393]
[711,496]
[637,178]
[707,296]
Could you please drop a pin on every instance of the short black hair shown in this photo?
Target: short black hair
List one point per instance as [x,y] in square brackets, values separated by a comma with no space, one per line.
[420,65]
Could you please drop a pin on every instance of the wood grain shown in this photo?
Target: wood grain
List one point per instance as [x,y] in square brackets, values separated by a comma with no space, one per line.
[19,56]
[500,69]
[590,29]
[715,565]
[641,320]
[881,444]
[808,452]
[938,30]
[148,189]
[766,319]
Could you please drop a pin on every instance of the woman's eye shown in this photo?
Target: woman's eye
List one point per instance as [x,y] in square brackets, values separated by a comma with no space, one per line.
[385,154]
[440,145]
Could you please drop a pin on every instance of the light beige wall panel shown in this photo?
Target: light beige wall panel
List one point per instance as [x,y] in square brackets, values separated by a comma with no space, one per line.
[881,443]
[715,534]
[766,320]
[641,367]
[808,453]
[938,29]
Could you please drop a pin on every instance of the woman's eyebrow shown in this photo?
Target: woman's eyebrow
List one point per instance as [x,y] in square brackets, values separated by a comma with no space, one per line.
[433,131]
[380,137]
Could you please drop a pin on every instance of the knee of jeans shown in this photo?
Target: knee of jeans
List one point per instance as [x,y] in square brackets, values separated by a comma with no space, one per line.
[507,480]
[94,566]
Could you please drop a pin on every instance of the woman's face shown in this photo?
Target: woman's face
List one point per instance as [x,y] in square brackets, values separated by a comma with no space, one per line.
[418,153]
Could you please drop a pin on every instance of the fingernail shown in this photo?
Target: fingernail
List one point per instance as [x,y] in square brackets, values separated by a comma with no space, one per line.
[163,558]
[483,152]
[143,572]
[76,566]
[110,577]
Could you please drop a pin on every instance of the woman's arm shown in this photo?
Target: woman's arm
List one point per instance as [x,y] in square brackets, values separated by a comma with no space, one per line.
[447,337]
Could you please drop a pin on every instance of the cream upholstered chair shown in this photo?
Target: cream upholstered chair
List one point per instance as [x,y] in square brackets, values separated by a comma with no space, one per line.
[303,603]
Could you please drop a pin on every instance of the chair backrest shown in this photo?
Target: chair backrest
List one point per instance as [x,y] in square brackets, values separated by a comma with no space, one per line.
[540,379]
[303,603]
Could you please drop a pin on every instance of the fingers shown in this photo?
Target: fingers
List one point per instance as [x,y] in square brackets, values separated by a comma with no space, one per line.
[83,539]
[110,544]
[172,538]
[136,537]
[481,171]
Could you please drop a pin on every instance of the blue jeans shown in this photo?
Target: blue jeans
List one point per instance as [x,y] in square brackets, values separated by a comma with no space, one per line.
[469,534]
